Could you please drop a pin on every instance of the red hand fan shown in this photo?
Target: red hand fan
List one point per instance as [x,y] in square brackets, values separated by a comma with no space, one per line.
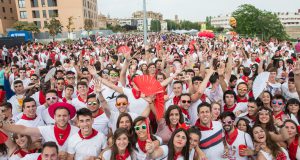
[3,137]
[148,85]
[124,49]
[159,104]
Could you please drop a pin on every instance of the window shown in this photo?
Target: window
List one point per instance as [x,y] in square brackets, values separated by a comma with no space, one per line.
[35,14]
[23,14]
[3,9]
[21,3]
[43,3]
[44,14]
[53,13]
[11,10]
[52,3]
[2,1]
[37,23]
[34,3]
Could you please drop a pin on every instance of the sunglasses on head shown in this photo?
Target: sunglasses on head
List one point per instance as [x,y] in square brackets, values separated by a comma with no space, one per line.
[53,98]
[278,102]
[121,104]
[137,128]
[92,103]
[185,101]
[227,122]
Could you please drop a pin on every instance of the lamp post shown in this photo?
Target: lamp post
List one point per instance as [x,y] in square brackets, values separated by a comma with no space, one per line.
[145,23]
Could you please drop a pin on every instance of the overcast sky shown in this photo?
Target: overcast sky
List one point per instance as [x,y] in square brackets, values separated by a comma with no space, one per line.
[194,10]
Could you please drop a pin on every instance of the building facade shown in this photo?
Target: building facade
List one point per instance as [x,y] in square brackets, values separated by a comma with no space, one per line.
[150,14]
[8,15]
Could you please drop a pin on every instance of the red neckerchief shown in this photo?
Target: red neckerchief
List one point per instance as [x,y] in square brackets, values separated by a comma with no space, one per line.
[203,128]
[177,154]
[176,100]
[281,156]
[27,118]
[91,90]
[229,109]
[94,133]
[136,93]
[59,93]
[39,157]
[142,145]
[170,128]
[253,118]
[100,112]
[230,138]
[124,156]
[24,153]
[65,99]
[250,94]
[279,115]
[245,78]
[80,99]
[62,135]
[293,147]
[239,99]
[186,112]
[42,98]
[203,98]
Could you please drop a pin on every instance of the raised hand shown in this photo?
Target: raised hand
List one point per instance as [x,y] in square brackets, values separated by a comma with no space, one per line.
[296,69]
[92,70]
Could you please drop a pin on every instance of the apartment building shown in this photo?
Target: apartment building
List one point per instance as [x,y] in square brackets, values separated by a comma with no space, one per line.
[8,15]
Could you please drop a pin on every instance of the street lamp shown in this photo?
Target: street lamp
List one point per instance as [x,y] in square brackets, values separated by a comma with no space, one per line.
[145,23]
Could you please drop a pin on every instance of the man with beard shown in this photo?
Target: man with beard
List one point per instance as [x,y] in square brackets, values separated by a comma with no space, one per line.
[239,144]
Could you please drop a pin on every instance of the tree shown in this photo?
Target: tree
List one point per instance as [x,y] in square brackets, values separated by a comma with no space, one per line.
[25,26]
[70,25]
[54,27]
[209,26]
[88,25]
[252,21]
[172,25]
[155,26]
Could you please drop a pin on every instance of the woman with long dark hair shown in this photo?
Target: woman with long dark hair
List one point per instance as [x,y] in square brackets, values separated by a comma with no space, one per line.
[292,109]
[266,147]
[121,148]
[266,98]
[293,141]
[125,121]
[177,148]
[140,137]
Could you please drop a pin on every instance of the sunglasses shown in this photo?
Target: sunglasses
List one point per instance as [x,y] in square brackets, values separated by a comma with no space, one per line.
[185,101]
[242,89]
[114,74]
[278,102]
[121,104]
[92,103]
[53,98]
[227,122]
[137,128]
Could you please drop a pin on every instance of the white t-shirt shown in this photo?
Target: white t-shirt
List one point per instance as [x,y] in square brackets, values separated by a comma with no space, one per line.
[78,104]
[101,124]
[107,154]
[33,156]
[139,154]
[268,156]
[83,148]
[136,105]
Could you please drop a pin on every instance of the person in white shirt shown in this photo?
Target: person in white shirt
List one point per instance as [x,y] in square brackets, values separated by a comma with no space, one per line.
[51,98]
[87,143]
[49,152]
[17,99]
[80,101]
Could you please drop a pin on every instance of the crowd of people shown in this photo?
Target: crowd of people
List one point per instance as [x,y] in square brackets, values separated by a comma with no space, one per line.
[223,98]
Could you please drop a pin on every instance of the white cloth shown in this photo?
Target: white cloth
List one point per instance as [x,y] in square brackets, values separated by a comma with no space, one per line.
[101,124]
[33,156]
[268,156]
[136,105]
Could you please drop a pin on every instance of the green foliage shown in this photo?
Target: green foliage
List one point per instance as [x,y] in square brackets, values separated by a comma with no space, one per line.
[208,23]
[70,24]
[25,26]
[155,26]
[54,27]
[252,21]
[188,25]
[116,28]
[172,25]
[88,24]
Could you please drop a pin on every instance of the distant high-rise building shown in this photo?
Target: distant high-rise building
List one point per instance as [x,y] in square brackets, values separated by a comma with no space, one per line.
[8,15]
[176,18]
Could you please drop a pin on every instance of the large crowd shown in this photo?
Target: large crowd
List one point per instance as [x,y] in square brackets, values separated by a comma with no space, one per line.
[222,98]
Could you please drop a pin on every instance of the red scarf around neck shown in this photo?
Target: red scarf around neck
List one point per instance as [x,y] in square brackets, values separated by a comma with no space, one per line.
[253,118]
[136,93]
[230,138]
[142,145]
[81,99]
[293,147]
[239,99]
[100,112]
[94,133]
[170,128]
[123,156]
[203,128]
[59,93]
[23,153]
[229,109]
[28,118]
[279,115]
[62,135]
[65,99]
[176,100]
[39,157]
[186,112]
[177,155]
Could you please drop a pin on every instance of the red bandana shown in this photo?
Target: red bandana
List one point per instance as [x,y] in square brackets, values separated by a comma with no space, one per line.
[229,109]
[39,157]
[239,99]
[203,98]
[177,155]
[81,100]
[230,138]
[281,156]
[94,133]
[59,93]
[176,100]
[136,93]
[253,118]
[27,118]
[62,135]
[23,153]
[293,147]
[142,145]
[186,112]
[203,128]
[42,98]
[279,116]
[100,112]
[124,156]
[65,99]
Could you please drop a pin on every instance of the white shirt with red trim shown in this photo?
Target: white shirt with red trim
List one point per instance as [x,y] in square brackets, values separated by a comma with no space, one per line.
[101,124]
[110,96]
[78,104]
[83,148]
[38,121]
[47,133]
[107,154]
[43,110]
[136,105]
[32,156]
[193,111]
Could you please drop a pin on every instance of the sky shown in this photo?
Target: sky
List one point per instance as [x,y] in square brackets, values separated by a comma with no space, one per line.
[193,10]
